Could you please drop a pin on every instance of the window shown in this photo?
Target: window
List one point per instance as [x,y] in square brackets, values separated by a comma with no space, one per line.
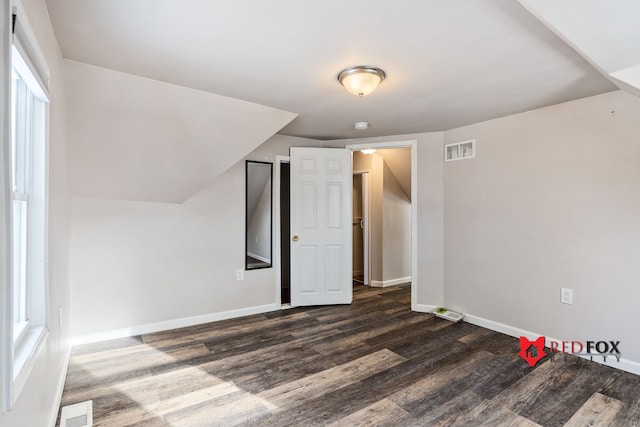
[27,289]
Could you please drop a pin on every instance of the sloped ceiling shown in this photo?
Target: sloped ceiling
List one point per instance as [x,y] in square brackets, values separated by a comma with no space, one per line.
[448,63]
[133,138]
[605,33]
[399,161]
[166,95]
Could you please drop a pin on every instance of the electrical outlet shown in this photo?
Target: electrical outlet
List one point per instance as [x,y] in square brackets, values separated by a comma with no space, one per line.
[566,296]
[239,274]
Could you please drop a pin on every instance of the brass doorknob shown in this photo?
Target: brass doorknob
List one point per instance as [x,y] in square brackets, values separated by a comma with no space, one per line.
[295,238]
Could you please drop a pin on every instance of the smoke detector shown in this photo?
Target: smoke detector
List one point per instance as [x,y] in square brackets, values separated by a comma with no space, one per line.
[361,125]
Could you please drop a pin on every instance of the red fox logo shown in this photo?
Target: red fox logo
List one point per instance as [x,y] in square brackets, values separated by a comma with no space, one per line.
[532,351]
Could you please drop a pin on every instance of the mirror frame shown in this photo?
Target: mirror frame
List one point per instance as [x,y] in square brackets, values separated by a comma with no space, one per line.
[248,177]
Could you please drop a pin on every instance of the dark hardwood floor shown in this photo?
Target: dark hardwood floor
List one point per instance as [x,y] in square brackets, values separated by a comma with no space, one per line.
[371,363]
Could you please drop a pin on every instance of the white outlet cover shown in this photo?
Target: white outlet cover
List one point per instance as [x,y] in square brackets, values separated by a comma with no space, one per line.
[566,296]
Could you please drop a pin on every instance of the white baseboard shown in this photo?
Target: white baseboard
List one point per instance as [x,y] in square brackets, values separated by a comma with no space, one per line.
[423,308]
[392,282]
[499,327]
[53,417]
[259,258]
[171,324]
[624,364]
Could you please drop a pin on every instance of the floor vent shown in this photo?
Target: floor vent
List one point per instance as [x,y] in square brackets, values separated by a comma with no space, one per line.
[77,415]
[448,314]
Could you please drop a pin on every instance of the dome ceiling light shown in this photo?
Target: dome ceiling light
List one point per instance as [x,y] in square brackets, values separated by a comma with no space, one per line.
[361,80]
[361,125]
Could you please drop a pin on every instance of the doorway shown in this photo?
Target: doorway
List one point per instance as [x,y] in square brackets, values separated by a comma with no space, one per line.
[281,227]
[284,239]
[388,205]
[285,232]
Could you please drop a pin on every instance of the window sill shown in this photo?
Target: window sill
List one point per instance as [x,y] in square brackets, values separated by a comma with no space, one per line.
[25,357]
[20,333]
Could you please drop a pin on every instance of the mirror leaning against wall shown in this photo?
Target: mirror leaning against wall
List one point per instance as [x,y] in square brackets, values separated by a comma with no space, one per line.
[258,232]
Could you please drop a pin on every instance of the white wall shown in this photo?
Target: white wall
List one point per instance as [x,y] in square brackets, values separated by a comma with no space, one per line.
[37,405]
[396,229]
[139,264]
[125,252]
[551,200]
[376,237]
[430,225]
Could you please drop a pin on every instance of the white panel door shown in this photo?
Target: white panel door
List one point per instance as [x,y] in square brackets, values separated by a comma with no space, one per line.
[321,232]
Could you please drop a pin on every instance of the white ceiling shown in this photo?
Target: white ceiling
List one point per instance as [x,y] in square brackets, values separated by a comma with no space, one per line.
[449,62]
[606,33]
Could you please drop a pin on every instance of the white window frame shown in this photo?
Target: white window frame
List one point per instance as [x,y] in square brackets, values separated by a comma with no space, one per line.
[22,342]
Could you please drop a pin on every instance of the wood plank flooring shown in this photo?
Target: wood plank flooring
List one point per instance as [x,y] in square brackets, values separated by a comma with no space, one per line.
[371,363]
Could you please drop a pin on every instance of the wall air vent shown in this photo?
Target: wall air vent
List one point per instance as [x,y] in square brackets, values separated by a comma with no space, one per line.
[460,150]
[77,415]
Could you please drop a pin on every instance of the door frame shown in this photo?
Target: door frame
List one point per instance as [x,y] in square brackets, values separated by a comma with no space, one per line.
[413,144]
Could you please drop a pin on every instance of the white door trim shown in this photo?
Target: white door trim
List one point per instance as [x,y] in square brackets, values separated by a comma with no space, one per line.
[413,144]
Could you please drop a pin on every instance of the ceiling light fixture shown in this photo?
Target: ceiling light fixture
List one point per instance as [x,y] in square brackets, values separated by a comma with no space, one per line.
[361,125]
[368,151]
[361,80]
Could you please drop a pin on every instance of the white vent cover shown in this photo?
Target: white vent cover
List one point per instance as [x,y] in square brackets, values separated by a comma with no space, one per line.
[77,415]
[460,150]
[448,314]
